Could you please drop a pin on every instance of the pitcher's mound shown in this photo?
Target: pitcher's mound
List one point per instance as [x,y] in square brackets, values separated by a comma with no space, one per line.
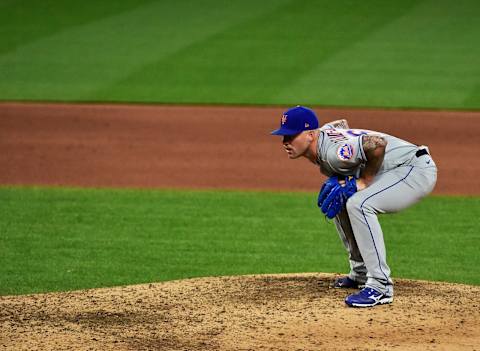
[267,312]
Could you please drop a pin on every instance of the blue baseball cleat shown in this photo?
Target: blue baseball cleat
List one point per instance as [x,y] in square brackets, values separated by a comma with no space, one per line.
[368,297]
[347,283]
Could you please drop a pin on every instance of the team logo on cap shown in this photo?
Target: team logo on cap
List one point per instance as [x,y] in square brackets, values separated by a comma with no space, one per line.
[307,125]
[345,152]
[284,119]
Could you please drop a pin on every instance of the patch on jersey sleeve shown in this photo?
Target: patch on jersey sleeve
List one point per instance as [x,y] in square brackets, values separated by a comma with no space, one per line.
[345,152]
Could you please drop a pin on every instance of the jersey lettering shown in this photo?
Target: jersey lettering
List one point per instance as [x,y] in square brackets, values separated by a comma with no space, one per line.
[335,135]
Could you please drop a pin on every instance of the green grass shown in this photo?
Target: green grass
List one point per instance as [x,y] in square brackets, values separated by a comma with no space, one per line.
[401,53]
[63,239]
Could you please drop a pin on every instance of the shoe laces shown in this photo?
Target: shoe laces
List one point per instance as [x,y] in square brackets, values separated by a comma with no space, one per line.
[368,292]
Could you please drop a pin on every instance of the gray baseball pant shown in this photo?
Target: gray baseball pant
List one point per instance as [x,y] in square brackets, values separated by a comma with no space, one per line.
[361,233]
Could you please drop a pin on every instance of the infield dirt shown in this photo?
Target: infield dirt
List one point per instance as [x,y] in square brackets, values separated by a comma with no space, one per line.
[205,147]
[223,147]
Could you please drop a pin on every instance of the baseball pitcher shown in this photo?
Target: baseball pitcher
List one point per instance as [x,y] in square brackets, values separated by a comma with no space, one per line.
[369,173]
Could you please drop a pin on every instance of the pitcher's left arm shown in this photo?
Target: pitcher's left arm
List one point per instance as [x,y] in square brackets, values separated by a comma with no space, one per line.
[374,149]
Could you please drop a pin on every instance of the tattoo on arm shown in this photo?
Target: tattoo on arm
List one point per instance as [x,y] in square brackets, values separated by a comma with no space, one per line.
[372,142]
[339,123]
[374,148]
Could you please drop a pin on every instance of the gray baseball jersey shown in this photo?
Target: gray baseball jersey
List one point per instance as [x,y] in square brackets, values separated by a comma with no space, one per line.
[406,175]
[340,151]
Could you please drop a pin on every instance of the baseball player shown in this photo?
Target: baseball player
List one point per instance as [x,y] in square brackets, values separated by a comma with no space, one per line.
[390,174]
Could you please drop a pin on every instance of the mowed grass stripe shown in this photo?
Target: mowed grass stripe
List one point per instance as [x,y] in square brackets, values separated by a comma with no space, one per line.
[387,54]
[27,21]
[64,239]
[74,63]
[422,57]
[252,61]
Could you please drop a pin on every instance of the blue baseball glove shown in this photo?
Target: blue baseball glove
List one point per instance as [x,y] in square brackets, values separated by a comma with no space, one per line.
[333,196]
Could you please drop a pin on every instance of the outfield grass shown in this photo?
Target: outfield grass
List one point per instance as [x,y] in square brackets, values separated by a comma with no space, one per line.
[63,239]
[401,53]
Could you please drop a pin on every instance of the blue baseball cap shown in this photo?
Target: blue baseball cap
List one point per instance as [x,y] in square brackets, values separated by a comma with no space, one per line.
[296,120]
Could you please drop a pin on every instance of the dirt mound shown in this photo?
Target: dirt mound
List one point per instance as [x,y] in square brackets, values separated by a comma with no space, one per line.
[271,312]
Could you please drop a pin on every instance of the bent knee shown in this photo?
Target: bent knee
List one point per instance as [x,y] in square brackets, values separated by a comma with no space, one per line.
[354,203]
[359,203]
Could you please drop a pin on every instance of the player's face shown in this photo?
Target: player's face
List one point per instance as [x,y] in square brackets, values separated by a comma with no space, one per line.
[296,145]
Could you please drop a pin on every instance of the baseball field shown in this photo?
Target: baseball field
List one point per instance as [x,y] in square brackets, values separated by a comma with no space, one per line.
[144,205]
